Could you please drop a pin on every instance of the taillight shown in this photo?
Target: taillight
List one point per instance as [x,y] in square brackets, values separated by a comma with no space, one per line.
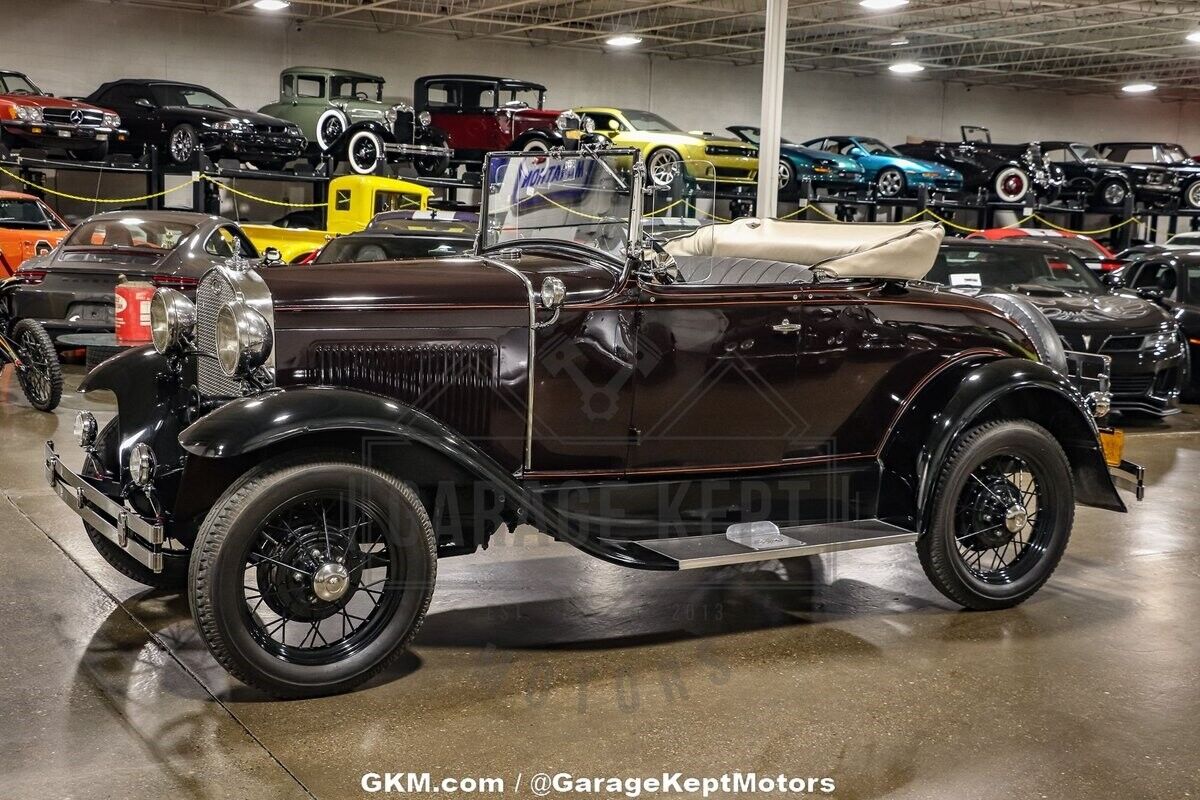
[180,282]
[1110,265]
[31,275]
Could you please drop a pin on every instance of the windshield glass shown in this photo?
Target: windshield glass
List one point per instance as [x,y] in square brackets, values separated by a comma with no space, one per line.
[130,232]
[1012,268]
[19,212]
[1184,238]
[876,147]
[585,199]
[645,121]
[392,248]
[1084,248]
[178,94]
[351,88]
[17,84]
[1174,154]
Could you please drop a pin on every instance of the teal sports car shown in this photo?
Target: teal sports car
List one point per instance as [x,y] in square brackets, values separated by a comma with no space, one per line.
[892,173]
[798,163]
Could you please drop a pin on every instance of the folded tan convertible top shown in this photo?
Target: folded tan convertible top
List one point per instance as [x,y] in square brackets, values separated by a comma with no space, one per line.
[845,249]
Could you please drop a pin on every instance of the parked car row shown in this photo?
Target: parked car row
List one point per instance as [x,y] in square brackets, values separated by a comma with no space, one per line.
[453,120]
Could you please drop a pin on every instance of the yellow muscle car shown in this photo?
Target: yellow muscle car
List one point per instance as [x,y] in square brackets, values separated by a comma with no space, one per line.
[354,200]
[665,148]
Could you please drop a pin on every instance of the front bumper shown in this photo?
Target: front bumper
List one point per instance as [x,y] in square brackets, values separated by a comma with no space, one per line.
[724,169]
[417,150]
[253,144]
[138,536]
[51,135]
[1145,383]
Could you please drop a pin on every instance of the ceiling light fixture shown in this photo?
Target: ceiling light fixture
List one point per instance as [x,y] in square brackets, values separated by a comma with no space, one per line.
[271,5]
[1138,88]
[898,42]
[623,40]
[906,67]
[881,5]
[1194,36]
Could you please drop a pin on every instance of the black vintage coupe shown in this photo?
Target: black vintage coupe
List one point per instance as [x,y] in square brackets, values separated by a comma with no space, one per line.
[1107,184]
[1008,173]
[185,120]
[1143,341]
[1173,157]
[299,447]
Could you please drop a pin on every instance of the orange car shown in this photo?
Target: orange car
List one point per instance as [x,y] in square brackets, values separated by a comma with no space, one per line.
[28,227]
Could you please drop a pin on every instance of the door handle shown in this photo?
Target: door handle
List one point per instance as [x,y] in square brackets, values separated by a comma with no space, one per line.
[786,327]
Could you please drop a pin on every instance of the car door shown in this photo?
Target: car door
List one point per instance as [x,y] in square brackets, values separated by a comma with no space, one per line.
[139,118]
[717,383]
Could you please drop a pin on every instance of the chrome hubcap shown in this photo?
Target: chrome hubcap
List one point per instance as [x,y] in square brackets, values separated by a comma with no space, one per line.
[331,581]
[662,169]
[181,145]
[1015,518]
[785,174]
[889,183]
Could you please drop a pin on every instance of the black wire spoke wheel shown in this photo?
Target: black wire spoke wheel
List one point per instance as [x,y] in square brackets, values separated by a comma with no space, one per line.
[40,374]
[320,578]
[1000,516]
[998,527]
[312,573]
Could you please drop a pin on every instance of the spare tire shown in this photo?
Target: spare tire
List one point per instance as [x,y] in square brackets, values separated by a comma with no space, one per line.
[1037,327]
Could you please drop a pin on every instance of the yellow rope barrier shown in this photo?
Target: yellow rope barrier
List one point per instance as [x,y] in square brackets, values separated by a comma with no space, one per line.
[1096,232]
[111,200]
[662,210]
[257,198]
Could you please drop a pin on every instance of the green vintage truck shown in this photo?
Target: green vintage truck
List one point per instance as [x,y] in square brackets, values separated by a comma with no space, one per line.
[345,114]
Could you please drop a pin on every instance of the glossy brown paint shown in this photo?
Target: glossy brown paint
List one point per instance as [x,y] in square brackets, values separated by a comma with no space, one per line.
[637,379]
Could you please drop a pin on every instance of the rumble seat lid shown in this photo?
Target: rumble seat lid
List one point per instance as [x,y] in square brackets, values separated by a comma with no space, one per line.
[849,250]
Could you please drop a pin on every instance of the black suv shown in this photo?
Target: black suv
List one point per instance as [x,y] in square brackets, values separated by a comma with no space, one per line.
[186,120]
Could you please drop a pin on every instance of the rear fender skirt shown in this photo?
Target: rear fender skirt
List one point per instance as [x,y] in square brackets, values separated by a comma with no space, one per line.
[974,392]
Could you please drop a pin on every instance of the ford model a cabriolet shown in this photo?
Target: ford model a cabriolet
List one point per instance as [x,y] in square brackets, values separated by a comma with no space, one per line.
[300,454]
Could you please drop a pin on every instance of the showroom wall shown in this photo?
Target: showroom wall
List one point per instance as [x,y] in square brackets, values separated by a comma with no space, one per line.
[240,56]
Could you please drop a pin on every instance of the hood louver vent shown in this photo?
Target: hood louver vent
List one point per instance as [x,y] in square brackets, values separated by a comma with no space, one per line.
[452,381]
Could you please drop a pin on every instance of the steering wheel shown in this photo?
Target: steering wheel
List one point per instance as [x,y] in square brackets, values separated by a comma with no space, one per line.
[361,96]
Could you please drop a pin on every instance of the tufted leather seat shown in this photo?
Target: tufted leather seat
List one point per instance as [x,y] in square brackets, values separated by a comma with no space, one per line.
[726,270]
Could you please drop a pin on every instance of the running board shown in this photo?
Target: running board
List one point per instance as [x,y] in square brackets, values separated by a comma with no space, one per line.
[764,543]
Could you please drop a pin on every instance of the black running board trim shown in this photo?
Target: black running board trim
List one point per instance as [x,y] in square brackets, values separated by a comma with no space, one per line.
[694,552]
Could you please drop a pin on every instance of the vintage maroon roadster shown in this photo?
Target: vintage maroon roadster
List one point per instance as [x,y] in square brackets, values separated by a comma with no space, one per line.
[301,445]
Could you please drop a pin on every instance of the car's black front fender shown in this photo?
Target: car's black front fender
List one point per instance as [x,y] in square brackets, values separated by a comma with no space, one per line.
[978,390]
[152,402]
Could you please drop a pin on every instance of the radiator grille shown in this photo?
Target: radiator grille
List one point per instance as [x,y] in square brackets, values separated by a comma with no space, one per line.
[1131,384]
[453,381]
[213,292]
[63,115]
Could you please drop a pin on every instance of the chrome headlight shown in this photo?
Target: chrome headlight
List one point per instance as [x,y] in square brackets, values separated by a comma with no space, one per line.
[425,118]
[243,339]
[85,429]
[227,125]
[172,317]
[141,465]
[567,121]
[111,120]
[588,124]
[28,113]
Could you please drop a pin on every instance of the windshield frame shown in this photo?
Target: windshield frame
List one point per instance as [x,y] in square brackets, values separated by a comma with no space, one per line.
[182,89]
[6,89]
[633,231]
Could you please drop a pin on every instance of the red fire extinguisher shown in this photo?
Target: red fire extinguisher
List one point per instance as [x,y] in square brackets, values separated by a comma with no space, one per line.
[133,311]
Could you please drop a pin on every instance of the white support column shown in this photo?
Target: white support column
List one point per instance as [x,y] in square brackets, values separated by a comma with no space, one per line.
[771,123]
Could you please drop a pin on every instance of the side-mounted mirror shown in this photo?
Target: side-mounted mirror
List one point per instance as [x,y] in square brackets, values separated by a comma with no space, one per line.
[1112,280]
[271,257]
[143,102]
[1151,293]
[553,293]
